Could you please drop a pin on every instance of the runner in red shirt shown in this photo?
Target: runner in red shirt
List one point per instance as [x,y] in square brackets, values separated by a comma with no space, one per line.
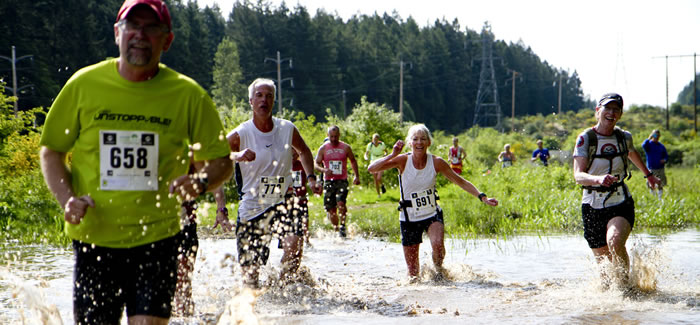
[332,160]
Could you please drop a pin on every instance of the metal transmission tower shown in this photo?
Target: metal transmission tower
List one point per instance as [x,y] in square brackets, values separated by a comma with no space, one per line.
[487,107]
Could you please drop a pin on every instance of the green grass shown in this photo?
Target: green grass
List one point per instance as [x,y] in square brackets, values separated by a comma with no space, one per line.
[532,200]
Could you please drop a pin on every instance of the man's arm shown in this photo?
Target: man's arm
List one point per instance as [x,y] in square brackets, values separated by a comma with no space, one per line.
[58,180]
[306,158]
[220,198]
[214,173]
[353,162]
[318,165]
[664,155]
[56,174]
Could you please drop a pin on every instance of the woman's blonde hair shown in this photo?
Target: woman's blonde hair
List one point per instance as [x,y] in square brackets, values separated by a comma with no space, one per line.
[415,129]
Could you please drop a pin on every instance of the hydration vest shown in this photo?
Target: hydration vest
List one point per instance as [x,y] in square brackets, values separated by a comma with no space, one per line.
[621,143]
[622,153]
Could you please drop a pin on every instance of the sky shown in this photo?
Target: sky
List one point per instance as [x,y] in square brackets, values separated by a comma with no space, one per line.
[614,46]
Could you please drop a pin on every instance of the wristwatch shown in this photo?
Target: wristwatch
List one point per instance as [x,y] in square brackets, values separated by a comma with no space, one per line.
[482,195]
[223,210]
[204,183]
[650,174]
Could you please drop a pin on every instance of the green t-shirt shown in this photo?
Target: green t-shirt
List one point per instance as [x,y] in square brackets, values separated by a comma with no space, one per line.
[376,152]
[129,140]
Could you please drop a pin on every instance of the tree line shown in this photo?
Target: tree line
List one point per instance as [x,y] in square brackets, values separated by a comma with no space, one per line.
[335,62]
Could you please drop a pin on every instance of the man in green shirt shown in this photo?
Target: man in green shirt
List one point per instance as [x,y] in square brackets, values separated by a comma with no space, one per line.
[127,123]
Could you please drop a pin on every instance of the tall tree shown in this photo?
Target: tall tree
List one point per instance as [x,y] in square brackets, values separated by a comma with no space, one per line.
[227,88]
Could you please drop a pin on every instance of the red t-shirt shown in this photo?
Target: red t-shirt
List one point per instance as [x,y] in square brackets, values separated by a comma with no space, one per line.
[335,159]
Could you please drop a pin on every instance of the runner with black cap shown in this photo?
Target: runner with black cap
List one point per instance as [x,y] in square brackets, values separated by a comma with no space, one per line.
[600,166]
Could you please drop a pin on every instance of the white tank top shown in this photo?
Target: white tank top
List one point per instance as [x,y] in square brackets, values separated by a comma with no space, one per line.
[418,187]
[263,182]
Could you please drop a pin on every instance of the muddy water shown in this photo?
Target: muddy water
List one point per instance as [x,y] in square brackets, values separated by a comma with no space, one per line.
[526,279]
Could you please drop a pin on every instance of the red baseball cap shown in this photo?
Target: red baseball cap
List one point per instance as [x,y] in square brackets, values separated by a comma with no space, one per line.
[158,7]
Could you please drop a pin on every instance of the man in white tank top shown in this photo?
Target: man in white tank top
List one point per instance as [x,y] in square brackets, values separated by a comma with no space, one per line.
[262,149]
[419,211]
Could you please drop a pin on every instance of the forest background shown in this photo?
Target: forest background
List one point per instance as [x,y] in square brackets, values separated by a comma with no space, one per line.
[340,72]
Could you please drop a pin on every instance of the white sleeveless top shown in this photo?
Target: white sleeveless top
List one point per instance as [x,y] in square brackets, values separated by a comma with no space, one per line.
[263,182]
[418,187]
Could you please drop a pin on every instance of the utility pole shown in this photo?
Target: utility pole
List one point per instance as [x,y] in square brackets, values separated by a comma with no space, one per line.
[667,108]
[559,100]
[401,93]
[345,114]
[695,73]
[512,79]
[14,88]
[279,78]
[695,94]
[401,64]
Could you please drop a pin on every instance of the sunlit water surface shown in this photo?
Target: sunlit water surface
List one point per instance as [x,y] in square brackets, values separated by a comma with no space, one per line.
[522,280]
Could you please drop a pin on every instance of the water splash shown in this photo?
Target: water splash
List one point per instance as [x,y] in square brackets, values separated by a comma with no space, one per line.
[240,309]
[646,263]
[32,297]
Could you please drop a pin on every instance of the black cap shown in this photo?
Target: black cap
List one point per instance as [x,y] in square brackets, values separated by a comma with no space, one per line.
[610,97]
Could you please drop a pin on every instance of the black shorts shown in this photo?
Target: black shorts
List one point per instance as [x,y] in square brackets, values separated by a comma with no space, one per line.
[300,209]
[595,221]
[412,231]
[190,242]
[334,191]
[105,279]
[253,236]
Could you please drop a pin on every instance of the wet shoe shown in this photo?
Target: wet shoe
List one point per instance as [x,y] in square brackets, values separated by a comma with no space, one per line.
[251,284]
[383,189]
[342,232]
